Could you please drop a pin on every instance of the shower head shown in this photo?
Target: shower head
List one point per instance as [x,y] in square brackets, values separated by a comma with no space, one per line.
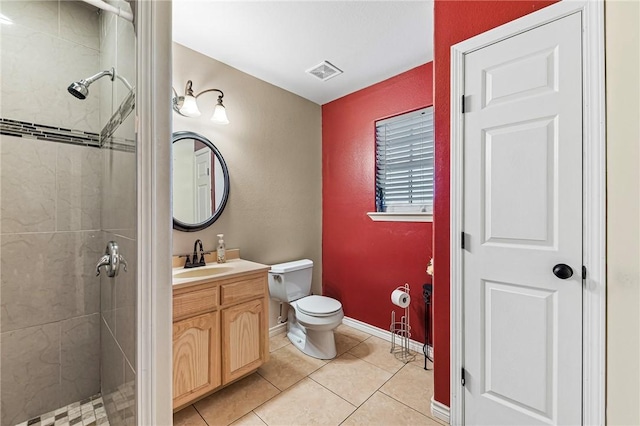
[80,89]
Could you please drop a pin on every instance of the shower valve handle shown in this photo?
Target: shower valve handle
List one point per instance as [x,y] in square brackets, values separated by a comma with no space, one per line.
[111,260]
[104,261]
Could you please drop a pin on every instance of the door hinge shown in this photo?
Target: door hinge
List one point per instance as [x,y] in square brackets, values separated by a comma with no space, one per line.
[463,104]
[584,272]
[462,240]
[462,381]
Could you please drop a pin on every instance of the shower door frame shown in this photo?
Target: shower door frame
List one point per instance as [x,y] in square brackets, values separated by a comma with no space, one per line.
[153,129]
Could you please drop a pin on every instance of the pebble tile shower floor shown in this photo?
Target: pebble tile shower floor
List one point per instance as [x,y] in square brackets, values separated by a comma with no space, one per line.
[88,412]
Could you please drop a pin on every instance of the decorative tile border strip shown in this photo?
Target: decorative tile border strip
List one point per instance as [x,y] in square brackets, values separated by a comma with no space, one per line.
[88,411]
[126,107]
[23,129]
[119,144]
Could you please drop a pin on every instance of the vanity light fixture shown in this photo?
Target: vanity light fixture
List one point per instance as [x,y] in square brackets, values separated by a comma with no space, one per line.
[187,105]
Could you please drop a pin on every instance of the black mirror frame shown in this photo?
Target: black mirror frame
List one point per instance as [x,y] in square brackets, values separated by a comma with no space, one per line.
[187,227]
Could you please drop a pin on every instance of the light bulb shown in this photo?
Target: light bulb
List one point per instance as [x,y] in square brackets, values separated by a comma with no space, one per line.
[189,107]
[219,114]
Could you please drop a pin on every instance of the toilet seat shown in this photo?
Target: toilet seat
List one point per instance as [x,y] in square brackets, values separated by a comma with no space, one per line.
[318,306]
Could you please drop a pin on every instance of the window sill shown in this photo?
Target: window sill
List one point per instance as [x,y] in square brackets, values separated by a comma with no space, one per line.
[400,217]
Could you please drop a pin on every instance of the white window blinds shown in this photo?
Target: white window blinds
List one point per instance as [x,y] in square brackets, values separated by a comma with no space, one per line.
[404,162]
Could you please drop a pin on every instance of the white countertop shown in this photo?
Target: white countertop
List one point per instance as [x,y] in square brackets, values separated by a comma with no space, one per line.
[229,269]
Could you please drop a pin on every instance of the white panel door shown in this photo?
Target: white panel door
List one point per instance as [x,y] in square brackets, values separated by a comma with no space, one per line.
[522,217]
[202,177]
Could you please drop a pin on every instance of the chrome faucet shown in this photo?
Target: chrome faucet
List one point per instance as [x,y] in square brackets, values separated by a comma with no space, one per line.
[194,262]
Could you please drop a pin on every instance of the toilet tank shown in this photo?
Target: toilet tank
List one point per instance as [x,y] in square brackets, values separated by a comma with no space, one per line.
[291,280]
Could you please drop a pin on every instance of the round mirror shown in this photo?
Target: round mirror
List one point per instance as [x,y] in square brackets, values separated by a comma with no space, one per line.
[200,182]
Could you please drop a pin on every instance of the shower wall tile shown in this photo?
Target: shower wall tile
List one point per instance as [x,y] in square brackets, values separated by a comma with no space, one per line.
[112,373]
[108,51]
[79,180]
[108,300]
[30,382]
[79,358]
[38,67]
[127,129]
[125,58]
[27,173]
[126,291]
[119,209]
[105,23]
[126,330]
[37,15]
[79,23]
[128,390]
[48,277]
[120,402]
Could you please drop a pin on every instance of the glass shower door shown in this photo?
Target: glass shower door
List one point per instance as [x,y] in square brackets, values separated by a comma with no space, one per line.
[118,294]
[67,188]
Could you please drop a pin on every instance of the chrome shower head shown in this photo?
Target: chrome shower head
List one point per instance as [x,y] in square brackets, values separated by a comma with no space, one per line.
[80,89]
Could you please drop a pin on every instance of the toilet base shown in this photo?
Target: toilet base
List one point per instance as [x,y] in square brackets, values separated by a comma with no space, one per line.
[319,344]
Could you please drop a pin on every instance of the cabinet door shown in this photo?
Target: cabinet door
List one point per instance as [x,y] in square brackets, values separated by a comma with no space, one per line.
[196,357]
[243,339]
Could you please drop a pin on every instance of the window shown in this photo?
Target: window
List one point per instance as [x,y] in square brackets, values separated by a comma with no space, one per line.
[404,163]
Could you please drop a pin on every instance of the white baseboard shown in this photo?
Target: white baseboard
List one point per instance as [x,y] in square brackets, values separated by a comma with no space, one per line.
[278,329]
[362,326]
[440,411]
[383,334]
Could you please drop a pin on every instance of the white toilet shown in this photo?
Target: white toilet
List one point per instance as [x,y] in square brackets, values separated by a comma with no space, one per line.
[311,319]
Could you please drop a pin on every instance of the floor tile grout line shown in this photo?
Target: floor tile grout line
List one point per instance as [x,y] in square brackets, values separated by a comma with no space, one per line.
[258,416]
[371,363]
[341,397]
[397,400]
[401,402]
[364,402]
[264,402]
[198,411]
[379,389]
[376,390]
[326,363]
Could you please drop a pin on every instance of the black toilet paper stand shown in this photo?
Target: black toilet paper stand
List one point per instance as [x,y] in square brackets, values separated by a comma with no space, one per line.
[427,290]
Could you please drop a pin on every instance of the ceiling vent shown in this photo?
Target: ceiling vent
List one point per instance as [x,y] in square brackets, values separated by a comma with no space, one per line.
[324,71]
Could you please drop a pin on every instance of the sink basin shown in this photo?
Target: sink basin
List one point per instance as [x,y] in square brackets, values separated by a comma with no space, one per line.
[202,272]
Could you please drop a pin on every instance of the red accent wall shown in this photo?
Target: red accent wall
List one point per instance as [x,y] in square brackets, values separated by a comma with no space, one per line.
[363,260]
[454,21]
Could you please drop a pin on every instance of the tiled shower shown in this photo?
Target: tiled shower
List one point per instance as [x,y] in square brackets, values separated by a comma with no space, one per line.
[67,187]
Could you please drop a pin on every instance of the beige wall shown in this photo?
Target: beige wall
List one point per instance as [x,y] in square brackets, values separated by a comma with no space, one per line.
[623,212]
[272,147]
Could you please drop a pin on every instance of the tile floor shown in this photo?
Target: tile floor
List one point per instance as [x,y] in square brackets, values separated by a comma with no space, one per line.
[363,385]
[89,412]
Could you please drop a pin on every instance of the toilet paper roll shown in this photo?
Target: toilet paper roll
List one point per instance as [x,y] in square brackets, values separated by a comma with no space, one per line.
[400,298]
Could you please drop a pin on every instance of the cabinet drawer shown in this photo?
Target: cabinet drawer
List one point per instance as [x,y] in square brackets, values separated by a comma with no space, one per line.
[194,302]
[242,290]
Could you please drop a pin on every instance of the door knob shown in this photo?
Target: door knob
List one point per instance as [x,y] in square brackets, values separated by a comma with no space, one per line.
[562,271]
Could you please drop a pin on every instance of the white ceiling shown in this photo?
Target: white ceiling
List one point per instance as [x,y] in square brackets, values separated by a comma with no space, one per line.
[278,41]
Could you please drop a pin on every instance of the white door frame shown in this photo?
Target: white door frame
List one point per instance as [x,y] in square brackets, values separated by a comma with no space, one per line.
[594,219]
[154,399]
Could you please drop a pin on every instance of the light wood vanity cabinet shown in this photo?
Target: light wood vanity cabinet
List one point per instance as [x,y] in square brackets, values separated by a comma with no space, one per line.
[220,333]
[196,357]
[243,345]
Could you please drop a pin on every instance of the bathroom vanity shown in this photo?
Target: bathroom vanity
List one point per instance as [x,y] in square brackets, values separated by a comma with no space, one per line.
[220,325]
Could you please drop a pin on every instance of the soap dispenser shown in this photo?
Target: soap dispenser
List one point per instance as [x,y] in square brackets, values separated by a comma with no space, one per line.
[222,255]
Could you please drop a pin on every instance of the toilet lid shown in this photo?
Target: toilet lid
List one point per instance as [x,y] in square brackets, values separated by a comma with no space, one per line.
[318,305]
